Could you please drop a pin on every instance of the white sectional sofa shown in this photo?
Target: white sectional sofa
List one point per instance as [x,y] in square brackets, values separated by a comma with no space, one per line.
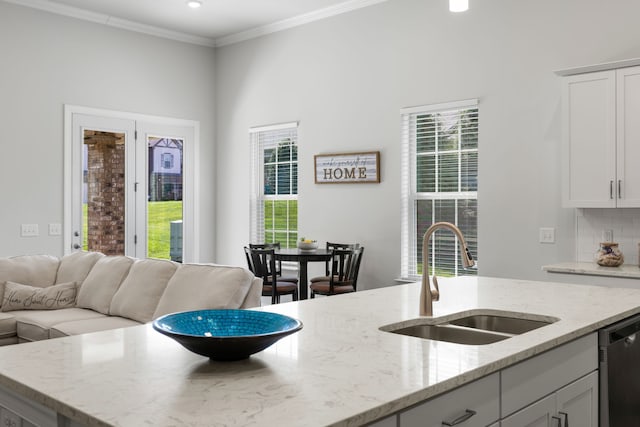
[47,297]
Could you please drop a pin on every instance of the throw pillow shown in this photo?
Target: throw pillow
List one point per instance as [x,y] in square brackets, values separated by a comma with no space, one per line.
[23,297]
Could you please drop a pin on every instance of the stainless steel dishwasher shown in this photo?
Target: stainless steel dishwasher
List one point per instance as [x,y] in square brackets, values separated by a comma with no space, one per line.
[619,348]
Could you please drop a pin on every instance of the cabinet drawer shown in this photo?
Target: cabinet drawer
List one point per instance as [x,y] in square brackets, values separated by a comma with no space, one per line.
[541,375]
[481,396]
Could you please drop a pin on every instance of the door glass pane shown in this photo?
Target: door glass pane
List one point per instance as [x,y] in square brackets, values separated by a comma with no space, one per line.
[103,192]
[164,198]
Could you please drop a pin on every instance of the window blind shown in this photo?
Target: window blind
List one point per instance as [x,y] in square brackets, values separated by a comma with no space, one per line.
[274,178]
[439,183]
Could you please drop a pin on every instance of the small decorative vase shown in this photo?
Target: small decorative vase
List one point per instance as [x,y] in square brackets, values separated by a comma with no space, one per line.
[609,255]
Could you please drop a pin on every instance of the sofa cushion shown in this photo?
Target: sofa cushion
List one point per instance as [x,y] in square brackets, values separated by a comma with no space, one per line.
[86,326]
[76,266]
[103,281]
[23,297]
[7,325]
[196,287]
[34,325]
[32,270]
[138,296]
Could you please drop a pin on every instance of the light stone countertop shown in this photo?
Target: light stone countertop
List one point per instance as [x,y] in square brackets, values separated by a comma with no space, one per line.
[628,271]
[340,369]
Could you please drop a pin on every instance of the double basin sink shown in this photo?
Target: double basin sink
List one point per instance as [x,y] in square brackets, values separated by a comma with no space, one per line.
[475,328]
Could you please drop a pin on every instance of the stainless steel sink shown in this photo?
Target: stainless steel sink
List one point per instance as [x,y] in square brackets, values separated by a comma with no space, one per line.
[477,328]
[451,334]
[504,324]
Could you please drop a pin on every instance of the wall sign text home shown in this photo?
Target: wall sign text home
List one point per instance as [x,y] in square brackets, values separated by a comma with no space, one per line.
[344,168]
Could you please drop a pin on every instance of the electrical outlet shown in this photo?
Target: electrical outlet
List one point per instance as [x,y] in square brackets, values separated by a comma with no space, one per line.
[547,235]
[29,230]
[607,235]
[55,229]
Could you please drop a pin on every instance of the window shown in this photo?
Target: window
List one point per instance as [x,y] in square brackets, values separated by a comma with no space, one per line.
[274,197]
[167,161]
[439,183]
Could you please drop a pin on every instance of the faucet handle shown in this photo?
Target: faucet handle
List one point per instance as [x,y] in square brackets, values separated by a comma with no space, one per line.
[435,293]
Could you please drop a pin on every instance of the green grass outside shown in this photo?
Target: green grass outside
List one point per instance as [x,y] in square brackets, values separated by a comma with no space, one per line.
[159,227]
[160,215]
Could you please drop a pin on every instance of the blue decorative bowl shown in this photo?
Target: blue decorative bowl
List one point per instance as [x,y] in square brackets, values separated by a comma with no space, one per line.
[226,334]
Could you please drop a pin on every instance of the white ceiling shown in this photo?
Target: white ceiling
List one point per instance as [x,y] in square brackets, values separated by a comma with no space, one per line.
[217,22]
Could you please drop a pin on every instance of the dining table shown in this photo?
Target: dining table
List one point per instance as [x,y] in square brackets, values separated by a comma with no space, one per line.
[303,257]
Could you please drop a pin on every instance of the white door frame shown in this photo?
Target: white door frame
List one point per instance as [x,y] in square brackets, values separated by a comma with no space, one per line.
[191,243]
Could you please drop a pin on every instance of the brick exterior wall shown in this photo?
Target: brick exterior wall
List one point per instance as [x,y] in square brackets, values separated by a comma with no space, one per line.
[106,200]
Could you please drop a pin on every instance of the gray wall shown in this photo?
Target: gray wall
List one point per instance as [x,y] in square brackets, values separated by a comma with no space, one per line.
[49,60]
[345,80]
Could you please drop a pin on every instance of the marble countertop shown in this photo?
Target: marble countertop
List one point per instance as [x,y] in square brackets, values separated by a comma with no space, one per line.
[339,370]
[628,271]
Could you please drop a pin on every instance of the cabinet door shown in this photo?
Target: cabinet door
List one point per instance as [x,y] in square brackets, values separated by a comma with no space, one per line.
[579,400]
[474,404]
[391,421]
[628,136]
[540,414]
[589,140]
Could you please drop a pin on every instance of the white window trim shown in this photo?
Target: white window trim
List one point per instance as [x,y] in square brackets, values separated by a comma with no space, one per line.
[408,179]
[257,195]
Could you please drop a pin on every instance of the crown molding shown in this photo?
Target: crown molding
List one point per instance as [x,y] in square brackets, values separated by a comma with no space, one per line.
[100,18]
[296,21]
[111,21]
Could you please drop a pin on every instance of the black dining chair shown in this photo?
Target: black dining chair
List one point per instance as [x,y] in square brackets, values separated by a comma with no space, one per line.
[262,263]
[328,267]
[343,277]
[275,245]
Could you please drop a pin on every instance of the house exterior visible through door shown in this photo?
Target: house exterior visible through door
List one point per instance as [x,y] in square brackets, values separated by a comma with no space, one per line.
[130,184]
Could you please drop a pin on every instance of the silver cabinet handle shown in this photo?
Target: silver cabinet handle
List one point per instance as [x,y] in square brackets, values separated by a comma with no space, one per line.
[619,189]
[468,413]
[611,189]
[566,418]
[558,420]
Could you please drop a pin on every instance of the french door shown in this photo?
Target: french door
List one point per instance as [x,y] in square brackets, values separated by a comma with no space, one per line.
[130,187]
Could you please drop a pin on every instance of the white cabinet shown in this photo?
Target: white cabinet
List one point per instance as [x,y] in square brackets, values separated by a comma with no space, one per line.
[575,404]
[579,401]
[475,404]
[391,421]
[601,139]
[18,411]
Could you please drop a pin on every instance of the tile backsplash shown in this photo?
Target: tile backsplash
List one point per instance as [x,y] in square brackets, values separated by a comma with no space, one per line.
[592,223]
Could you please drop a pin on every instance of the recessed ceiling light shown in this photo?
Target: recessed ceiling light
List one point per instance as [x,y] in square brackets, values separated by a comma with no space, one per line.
[458,5]
[194,4]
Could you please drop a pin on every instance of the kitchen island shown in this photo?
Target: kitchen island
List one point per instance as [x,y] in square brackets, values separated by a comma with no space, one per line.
[340,369]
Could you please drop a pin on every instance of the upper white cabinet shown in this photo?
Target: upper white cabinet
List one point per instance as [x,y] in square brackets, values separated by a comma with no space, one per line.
[601,139]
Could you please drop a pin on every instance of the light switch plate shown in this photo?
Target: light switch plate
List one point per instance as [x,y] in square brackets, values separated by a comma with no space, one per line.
[55,229]
[547,235]
[29,230]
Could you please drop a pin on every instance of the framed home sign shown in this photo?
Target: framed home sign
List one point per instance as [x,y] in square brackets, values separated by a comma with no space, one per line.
[345,168]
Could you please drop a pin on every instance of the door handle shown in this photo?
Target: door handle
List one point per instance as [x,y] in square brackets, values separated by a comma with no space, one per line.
[566,418]
[611,189]
[468,413]
[619,189]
